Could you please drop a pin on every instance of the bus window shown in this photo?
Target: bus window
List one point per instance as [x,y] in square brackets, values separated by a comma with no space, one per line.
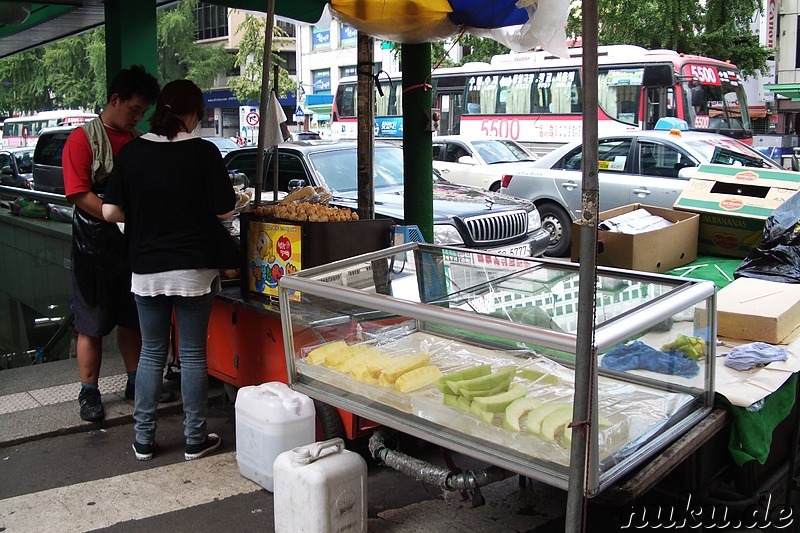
[346,101]
[618,93]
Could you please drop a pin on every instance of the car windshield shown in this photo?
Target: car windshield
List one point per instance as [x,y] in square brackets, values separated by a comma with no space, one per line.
[338,168]
[24,161]
[707,147]
[502,151]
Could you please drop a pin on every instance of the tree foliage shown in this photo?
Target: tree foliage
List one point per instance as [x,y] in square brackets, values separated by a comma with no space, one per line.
[714,28]
[480,49]
[250,60]
[179,56]
[71,73]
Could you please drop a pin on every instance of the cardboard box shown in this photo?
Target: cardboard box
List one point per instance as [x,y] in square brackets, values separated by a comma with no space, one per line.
[758,310]
[733,203]
[653,251]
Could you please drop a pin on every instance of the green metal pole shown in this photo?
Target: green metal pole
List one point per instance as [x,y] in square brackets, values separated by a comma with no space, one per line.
[417,147]
[131,40]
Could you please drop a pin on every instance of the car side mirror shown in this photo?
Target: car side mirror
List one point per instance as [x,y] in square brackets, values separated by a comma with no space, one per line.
[687,172]
[7,171]
[467,160]
[296,184]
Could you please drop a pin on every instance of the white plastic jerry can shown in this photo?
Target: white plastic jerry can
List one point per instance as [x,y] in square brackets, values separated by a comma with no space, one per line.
[270,419]
[320,488]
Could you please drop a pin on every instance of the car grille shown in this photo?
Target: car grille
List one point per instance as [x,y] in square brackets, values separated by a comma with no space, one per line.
[497,227]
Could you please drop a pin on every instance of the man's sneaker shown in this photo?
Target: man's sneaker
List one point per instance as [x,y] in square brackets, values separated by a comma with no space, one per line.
[91,405]
[130,393]
[196,451]
[144,452]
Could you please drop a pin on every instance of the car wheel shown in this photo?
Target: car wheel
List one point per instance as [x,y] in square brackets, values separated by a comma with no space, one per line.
[558,224]
[495,187]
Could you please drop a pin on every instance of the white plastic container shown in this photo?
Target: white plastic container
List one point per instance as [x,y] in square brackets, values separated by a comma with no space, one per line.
[270,419]
[320,488]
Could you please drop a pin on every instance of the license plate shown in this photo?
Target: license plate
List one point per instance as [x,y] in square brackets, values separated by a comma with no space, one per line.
[523,250]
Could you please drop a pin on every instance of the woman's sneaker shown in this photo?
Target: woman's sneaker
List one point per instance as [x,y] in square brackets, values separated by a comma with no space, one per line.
[144,452]
[196,451]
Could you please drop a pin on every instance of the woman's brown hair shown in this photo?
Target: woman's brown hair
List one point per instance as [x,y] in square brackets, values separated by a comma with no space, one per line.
[177,98]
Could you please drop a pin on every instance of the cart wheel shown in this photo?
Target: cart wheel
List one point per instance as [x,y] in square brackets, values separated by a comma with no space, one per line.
[329,424]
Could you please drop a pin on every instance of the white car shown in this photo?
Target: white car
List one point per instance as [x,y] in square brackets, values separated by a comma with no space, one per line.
[649,167]
[479,162]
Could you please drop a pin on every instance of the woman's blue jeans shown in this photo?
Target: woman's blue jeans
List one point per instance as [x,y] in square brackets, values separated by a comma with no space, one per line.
[155,320]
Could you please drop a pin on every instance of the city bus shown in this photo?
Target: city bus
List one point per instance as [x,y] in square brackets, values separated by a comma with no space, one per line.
[536,98]
[23,131]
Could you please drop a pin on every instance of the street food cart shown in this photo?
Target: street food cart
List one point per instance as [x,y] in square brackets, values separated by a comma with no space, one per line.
[245,339]
[354,328]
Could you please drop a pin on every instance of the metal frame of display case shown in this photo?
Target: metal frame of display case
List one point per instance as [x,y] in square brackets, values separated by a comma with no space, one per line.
[617,330]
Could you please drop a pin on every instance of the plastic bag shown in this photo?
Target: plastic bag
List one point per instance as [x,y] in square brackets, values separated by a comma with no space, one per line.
[777,258]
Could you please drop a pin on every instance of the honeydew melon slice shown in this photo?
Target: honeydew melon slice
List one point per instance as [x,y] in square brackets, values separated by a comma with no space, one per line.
[555,421]
[501,387]
[461,375]
[605,423]
[539,376]
[516,410]
[497,403]
[533,423]
[486,416]
[486,382]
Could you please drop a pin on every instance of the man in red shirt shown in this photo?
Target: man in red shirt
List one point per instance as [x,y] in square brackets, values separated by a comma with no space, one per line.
[101,275]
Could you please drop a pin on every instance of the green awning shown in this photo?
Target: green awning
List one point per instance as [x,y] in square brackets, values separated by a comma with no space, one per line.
[788,90]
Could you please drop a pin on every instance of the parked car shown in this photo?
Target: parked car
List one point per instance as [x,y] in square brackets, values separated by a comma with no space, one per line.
[479,162]
[47,173]
[305,136]
[463,216]
[650,167]
[224,144]
[16,167]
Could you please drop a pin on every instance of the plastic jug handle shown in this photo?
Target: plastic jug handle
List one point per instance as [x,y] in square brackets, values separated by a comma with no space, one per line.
[316,450]
[276,390]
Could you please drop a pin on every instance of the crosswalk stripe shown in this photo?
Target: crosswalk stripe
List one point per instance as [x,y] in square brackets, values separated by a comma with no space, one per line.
[105,502]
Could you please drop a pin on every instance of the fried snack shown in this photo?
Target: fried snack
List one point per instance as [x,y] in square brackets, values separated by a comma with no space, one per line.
[297,195]
[305,211]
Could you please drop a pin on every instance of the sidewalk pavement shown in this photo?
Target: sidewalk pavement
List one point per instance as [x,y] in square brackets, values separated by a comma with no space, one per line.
[41,400]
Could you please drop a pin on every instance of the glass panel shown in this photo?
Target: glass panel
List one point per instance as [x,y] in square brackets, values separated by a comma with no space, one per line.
[469,348]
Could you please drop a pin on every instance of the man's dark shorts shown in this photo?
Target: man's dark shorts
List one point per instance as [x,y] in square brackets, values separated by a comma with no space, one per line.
[118,308]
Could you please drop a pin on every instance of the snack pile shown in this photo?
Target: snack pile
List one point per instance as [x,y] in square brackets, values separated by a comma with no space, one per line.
[308,204]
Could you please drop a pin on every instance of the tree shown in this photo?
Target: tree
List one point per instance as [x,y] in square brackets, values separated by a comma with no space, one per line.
[480,49]
[179,56]
[23,86]
[715,28]
[70,73]
[250,59]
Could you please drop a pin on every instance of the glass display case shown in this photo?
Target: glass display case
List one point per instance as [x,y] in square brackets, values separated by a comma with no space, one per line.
[476,352]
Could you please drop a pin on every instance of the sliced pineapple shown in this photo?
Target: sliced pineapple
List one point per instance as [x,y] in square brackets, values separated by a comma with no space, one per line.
[317,356]
[401,364]
[418,378]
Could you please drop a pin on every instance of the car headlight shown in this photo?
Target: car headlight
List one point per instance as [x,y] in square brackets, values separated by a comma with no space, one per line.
[534,221]
[446,234]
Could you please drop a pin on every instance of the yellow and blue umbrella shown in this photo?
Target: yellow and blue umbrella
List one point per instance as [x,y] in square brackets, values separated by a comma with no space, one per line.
[519,24]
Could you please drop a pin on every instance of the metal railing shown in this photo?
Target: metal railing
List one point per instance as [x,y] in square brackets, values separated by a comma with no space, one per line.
[46,197]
